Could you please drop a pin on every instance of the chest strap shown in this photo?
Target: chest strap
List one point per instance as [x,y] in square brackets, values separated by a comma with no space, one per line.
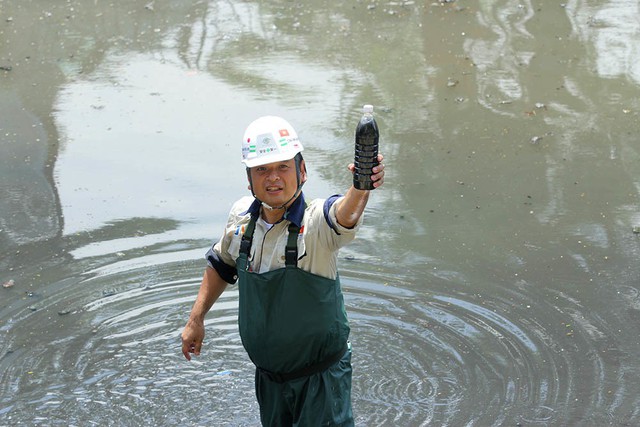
[291,250]
[247,236]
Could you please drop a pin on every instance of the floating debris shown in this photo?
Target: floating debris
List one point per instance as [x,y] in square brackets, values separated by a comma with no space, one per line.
[452,82]
[109,292]
[594,22]
[8,284]
[636,229]
[64,312]
[535,139]
[5,67]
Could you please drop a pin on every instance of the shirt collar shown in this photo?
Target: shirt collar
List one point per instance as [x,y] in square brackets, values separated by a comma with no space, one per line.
[294,213]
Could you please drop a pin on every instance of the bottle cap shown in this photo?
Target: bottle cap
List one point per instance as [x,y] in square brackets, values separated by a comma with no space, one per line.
[367,108]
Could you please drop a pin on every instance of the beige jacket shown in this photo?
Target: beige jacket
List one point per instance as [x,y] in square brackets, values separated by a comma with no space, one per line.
[319,240]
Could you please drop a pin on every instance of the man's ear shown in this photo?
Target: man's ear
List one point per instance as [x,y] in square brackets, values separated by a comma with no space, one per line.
[303,172]
[249,179]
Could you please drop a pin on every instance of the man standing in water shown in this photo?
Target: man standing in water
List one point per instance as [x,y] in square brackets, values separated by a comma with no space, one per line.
[283,251]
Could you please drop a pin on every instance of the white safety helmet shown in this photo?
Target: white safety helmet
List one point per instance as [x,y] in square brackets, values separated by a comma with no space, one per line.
[269,139]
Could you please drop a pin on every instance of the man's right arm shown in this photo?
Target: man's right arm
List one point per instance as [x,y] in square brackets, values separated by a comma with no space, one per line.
[211,288]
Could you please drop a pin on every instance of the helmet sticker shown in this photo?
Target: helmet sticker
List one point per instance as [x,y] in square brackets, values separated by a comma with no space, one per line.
[266,143]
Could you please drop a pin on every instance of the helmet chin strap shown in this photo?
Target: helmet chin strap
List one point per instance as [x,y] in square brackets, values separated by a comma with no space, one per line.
[282,206]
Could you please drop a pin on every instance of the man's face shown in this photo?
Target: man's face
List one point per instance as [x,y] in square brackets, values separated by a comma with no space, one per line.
[275,183]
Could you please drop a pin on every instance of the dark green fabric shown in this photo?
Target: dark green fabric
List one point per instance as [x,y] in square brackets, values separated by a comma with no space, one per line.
[322,399]
[290,318]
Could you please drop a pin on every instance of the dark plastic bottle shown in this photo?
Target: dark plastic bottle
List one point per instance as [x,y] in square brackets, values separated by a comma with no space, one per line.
[366,154]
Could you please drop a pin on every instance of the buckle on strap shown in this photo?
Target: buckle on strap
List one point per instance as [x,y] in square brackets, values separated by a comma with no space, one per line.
[307,370]
[245,246]
[291,250]
[291,256]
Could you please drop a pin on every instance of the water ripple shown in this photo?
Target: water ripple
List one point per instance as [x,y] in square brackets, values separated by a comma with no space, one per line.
[105,345]
[116,355]
[453,360]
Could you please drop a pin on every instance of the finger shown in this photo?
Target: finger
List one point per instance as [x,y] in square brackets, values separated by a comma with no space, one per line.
[351,167]
[185,350]
[378,178]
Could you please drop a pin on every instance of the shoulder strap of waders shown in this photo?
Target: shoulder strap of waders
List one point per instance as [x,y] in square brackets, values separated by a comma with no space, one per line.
[247,237]
[291,251]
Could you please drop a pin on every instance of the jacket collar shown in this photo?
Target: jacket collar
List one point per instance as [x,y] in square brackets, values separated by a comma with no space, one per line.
[293,214]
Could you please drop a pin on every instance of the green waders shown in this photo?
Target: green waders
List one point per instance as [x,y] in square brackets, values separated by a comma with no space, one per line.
[294,327]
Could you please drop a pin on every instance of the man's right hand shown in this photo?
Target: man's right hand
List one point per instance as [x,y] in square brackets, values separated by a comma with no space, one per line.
[192,337]
[210,289]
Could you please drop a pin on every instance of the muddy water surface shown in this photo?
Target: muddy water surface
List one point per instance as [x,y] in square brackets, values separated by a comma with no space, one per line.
[495,280]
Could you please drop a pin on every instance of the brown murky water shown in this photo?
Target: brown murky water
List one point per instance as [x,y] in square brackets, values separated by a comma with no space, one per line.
[495,281]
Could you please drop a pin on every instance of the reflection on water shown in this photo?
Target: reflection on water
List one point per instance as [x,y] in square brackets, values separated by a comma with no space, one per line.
[609,35]
[495,281]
